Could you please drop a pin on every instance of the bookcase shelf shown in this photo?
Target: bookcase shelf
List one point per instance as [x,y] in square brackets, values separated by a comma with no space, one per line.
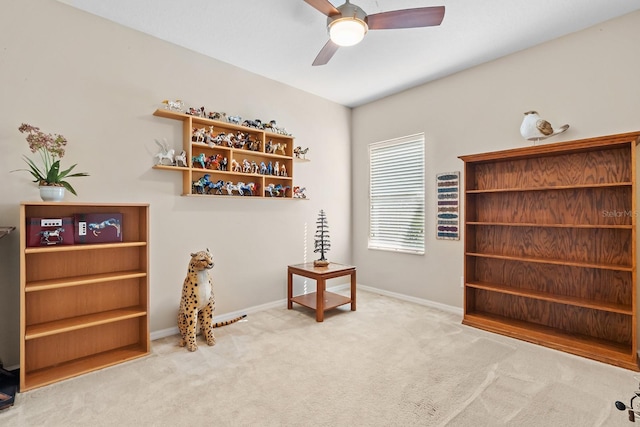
[550,246]
[82,307]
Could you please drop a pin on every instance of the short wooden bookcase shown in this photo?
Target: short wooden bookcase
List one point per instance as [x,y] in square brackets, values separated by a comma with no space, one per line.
[84,306]
[550,246]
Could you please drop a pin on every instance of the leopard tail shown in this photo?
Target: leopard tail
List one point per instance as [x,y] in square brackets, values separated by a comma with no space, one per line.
[228,322]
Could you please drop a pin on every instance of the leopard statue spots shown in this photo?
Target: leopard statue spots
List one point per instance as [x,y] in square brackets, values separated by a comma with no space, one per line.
[198,303]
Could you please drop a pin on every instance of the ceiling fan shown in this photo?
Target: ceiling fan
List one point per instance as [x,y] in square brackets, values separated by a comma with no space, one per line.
[348,24]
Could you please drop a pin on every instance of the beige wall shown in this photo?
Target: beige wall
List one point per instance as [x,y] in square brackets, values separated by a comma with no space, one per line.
[98,83]
[589,79]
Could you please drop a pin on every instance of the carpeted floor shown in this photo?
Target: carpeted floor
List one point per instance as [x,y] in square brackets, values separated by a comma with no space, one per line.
[390,363]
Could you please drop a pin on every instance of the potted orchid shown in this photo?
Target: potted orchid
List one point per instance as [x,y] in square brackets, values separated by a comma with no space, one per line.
[51,149]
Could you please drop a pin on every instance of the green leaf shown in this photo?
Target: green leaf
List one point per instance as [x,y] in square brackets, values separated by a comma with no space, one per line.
[52,176]
[34,170]
[65,173]
[69,187]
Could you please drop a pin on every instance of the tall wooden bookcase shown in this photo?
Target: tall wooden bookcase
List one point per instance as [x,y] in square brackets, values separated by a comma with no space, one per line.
[550,246]
[84,306]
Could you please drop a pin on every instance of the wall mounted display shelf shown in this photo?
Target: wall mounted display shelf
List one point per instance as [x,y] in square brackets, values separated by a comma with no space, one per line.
[82,306]
[193,172]
[550,246]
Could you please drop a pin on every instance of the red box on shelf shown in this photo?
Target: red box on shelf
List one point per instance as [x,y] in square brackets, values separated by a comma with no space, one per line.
[98,228]
[49,231]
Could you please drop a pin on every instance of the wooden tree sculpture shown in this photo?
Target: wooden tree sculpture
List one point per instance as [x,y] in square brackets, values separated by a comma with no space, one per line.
[322,243]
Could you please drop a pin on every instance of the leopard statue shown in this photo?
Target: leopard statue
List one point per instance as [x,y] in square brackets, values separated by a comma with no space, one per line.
[198,302]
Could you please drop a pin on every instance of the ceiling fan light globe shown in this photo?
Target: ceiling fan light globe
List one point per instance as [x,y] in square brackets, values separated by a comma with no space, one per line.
[347,31]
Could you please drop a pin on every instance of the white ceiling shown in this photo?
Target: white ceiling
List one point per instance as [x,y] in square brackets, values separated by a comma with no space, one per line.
[279,39]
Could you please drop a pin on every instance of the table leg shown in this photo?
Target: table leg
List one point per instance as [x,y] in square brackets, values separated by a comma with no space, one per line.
[320,285]
[289,289]
[353,291]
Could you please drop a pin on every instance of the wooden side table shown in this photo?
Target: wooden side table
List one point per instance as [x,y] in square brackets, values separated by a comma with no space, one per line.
[321,300]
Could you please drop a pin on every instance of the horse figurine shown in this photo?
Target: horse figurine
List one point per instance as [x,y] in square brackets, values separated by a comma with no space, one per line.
[201,159]
[231,187]
[235,166]
[254,167]
[282,147]
[181,159]
[165,153]
[199,135]
[244,189]
[176,105]
[217,187]
[300,153]
[246,166]
[298,192]
[213,162]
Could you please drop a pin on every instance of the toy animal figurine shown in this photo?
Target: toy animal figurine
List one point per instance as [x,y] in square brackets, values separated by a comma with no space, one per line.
[199,159]
[283,189]
[274,190]
[197,304]
[269,147]
[282,147]
[234,119]
[217,187]
[263,168]
[300,153]
[218,116]
[246,189]
[213,162]
[276,168]
[270,189]
[165,153]
[181,159]
[270,126]
[235,166]
[224,164]
[197,187]
[199,135]
[254,145]
[533,128]
[46,235]
[246,166]
[253,123]
[283,170]
[231,187]
[254,167]
[199,112]
[176,105]
[298,193]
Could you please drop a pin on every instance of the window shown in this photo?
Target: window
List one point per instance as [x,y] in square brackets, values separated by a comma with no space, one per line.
[396,195]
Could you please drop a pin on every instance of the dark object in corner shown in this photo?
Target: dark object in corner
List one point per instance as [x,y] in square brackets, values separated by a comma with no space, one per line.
[8,387]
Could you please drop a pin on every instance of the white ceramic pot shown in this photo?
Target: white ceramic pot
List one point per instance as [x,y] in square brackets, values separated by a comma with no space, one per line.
[51,193]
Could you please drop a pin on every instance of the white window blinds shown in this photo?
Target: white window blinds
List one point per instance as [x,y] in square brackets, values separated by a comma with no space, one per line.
[396,195]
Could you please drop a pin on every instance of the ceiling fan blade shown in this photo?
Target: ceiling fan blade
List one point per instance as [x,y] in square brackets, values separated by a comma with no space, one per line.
[324,6]
[325,53]
[406,18]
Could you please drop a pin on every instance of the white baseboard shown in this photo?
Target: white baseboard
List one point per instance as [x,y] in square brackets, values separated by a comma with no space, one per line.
[420,301]
[221,318]
[283,302]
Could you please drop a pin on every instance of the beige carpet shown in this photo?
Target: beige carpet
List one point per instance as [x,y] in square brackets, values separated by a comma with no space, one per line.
[390,363]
